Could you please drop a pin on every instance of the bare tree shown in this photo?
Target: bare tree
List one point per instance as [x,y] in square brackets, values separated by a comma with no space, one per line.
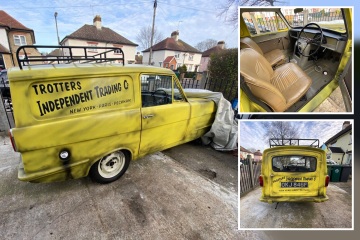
[144,37]
[279,130]
[206,44]
[229,10]
[261,2]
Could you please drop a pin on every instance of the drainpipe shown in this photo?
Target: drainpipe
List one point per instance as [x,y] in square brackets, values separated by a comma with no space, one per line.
[12,57]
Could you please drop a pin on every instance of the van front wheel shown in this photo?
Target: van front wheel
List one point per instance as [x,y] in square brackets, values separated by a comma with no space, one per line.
[110,167]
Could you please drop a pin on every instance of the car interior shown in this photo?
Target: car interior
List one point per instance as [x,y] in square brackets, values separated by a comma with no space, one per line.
[284,69]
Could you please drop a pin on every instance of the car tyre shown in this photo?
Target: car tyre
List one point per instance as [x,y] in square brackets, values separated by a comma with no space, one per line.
[110,168]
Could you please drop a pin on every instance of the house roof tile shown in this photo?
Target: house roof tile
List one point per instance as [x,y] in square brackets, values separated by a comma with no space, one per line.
[336,150]
[212,50]
[171,44]
[9,21]
[242,149]
[168,59]
[257,153]
[91,33]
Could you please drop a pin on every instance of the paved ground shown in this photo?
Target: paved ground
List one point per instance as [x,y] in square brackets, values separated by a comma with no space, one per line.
[158,198]
[334,213]
[334,103]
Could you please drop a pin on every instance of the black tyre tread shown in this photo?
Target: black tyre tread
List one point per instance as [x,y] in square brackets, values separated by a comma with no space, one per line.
[96,177]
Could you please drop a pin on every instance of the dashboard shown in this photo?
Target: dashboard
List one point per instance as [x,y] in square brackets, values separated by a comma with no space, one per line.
[331,40]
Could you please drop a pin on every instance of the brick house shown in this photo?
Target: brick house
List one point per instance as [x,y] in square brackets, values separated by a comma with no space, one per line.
[183,53]
[244,153]
[170,62]
[98,36]
[205,57]
[13,34]
[257,156]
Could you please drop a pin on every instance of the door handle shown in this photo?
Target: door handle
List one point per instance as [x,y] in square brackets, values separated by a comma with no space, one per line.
[148,116]
[271,175]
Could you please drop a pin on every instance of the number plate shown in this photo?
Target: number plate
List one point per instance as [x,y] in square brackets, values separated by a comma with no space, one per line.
[294,184]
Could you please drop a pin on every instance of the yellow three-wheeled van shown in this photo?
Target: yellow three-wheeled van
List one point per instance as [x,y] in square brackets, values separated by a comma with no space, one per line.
[293,173]
[76,119]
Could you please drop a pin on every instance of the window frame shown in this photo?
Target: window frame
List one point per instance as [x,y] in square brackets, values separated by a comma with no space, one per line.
[274,168]
[20,40]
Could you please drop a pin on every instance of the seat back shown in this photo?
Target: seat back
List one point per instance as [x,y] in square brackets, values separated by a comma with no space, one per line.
[247,42]
[257,73]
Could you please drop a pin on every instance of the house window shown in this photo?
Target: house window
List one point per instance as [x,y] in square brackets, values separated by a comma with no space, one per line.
[177,55]
[167,65]
[191,57]
[190,68]
[19,40]
[117,52]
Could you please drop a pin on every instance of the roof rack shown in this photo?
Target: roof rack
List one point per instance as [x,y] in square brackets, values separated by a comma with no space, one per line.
[275,142]
[68,54]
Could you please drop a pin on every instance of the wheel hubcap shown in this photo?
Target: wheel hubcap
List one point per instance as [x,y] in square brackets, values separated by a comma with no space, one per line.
[111,165]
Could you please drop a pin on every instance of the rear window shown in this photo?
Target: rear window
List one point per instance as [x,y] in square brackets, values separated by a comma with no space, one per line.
[294,163]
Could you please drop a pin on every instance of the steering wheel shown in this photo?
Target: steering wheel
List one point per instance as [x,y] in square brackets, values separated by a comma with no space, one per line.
[164,99]
[304,41]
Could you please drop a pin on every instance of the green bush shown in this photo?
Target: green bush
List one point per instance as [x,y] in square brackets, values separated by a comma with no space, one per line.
[190,74]
[223,70]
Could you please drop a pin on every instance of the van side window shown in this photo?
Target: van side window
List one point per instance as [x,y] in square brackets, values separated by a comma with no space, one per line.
[156,90]
[294,164]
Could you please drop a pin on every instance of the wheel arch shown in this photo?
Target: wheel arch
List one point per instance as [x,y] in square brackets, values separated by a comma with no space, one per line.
[127,151]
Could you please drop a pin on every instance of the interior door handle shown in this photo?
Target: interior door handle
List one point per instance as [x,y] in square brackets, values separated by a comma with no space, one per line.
[148,116]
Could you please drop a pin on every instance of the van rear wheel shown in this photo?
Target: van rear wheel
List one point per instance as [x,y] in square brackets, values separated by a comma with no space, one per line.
[110,168]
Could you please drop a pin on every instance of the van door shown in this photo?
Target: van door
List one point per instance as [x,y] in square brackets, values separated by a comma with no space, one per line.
[165,113]
[294,175]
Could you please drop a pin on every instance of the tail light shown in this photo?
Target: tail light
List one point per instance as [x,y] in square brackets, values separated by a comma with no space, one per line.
[261,181]
[12,140]
[327,180]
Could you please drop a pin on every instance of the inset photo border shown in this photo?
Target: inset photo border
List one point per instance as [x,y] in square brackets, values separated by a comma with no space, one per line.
[296,175]
[296,59]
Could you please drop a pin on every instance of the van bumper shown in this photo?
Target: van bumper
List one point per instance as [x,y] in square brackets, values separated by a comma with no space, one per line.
[294,199]
[70,171]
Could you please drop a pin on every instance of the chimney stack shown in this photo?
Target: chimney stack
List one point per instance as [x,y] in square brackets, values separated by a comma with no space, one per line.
[345,124]
[221,44]
[97,22]
[175,35]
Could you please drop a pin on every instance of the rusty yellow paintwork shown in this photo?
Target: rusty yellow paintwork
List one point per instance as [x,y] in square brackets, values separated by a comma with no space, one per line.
[272,191]
[93,110]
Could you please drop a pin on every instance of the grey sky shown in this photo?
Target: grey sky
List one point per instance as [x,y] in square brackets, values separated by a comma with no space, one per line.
[195,20]
[251,131]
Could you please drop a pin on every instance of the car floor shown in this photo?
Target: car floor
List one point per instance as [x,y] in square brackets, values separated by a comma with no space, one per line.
[319,80]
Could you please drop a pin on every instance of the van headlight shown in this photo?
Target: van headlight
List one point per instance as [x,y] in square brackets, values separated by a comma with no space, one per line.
[64,154]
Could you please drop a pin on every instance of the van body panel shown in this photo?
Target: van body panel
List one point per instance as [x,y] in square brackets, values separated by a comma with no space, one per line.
[294,173]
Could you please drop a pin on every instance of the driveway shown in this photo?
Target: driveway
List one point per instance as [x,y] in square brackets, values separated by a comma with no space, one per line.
[334,213]
[157,198]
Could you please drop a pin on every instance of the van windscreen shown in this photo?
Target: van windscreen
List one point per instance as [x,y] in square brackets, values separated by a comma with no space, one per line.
[294,163]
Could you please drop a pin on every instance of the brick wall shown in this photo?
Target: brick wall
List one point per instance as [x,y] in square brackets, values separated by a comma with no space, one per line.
[14,48]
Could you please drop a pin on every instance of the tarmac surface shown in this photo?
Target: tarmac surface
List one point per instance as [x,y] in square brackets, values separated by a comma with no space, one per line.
[157,198]
[334,213]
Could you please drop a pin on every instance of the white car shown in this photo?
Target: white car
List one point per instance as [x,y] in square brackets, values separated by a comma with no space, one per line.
[331,162]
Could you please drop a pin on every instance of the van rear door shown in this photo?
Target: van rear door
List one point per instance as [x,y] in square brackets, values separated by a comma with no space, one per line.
[294,175]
